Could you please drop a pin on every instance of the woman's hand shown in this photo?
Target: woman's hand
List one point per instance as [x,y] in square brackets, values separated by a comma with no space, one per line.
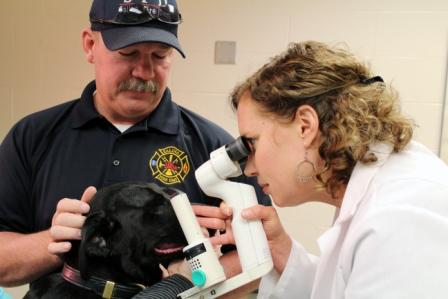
[280,242]
[68,220]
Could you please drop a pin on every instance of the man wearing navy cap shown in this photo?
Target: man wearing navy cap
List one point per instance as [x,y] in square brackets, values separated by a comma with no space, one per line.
[123,127]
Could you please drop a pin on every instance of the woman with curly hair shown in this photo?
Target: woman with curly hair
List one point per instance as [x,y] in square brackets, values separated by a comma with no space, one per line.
[321,128]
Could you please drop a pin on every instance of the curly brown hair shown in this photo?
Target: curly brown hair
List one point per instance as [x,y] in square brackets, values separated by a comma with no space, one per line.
[353,111]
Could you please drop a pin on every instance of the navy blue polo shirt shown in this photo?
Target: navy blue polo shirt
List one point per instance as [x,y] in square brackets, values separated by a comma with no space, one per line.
[60,151]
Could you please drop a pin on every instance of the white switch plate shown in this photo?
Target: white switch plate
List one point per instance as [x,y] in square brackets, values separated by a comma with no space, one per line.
[225,52]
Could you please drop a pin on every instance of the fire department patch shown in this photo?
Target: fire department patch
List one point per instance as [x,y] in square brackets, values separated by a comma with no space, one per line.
[169,165]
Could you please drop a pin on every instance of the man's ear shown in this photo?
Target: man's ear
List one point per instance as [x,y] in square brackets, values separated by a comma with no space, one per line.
[95,235]
[307,124]
[88,43]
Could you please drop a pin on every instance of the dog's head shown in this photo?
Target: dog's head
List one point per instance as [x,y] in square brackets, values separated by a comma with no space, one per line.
[131,229]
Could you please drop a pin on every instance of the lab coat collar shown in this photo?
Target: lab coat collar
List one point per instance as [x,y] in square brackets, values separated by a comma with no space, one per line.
[331,241]
[358,184]
[360,180]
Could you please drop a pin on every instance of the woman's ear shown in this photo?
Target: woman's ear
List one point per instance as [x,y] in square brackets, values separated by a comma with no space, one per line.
[308,124]
[88,43]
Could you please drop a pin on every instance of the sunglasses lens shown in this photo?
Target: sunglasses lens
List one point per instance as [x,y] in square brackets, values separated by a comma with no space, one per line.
[169,14]
[130,18]
[142,14]
[139,14]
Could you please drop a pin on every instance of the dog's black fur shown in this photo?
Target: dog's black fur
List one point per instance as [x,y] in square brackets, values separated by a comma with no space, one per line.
[125,225]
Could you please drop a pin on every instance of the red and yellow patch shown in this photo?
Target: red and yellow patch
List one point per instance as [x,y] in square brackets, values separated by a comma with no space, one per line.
[169,165]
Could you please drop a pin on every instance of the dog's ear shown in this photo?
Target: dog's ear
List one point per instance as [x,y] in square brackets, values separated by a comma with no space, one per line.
[95,233]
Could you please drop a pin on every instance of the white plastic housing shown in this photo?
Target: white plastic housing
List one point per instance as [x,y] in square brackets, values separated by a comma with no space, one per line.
[187,218]
[250,238]
[206,259]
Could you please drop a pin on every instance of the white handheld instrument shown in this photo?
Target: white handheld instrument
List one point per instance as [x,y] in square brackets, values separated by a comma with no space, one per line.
[250,238]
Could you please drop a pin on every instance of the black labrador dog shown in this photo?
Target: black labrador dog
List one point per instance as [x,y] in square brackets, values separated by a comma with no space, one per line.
[130,229]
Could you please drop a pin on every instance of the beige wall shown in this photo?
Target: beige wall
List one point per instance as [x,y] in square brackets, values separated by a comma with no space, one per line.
[41,62]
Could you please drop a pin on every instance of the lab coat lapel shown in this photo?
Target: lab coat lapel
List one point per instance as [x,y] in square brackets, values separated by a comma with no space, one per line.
[360,180]
[331,241]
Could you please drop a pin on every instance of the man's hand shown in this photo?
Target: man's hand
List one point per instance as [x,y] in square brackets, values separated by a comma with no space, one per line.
[211,217]
[26,257]
[177,267]
[68,220]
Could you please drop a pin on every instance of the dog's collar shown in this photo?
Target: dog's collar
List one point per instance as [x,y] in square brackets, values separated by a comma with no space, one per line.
[104,288]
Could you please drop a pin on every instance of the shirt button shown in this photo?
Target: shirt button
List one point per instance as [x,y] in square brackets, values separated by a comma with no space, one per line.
[116,162]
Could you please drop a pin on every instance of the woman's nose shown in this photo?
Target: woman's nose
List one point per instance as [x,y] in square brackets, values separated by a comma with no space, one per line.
[249,169]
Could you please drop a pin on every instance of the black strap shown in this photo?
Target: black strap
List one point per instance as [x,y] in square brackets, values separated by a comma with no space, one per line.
[167,288]
[368,81]
[104,288]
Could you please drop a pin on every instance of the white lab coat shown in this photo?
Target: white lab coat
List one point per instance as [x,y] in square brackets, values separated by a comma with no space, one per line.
[390,240]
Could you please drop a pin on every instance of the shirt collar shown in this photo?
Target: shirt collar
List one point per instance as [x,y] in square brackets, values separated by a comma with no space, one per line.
[85,110]
[164,118]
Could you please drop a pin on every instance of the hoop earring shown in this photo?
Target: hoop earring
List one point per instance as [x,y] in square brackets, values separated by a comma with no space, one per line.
[305,170]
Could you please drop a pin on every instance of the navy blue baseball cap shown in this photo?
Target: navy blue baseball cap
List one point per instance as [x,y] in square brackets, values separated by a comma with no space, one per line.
[123,23]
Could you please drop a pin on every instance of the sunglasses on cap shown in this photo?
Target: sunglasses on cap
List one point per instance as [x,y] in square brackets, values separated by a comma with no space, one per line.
[135,14]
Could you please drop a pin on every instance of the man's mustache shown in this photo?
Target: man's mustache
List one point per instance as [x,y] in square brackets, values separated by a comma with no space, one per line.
[134,84]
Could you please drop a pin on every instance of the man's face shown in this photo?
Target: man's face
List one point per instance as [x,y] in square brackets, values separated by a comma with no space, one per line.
[131,81]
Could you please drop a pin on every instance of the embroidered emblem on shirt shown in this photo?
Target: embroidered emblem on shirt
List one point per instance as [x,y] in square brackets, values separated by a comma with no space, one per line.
[169,165]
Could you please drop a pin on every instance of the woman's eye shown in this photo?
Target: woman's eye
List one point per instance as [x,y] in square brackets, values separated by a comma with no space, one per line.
[251,143]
